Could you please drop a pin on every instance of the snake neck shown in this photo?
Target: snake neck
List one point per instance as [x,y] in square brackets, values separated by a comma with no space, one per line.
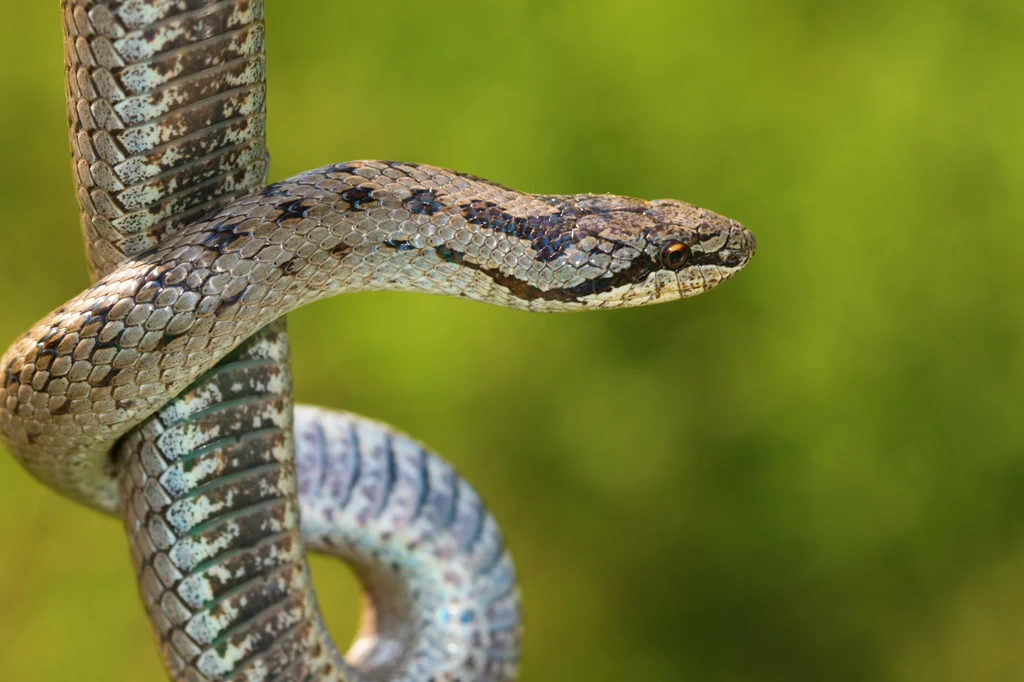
[399,226]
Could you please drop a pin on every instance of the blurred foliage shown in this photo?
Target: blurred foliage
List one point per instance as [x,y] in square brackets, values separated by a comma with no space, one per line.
[813,473]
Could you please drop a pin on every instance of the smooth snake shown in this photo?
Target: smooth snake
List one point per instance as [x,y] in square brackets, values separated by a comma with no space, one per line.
[112,401]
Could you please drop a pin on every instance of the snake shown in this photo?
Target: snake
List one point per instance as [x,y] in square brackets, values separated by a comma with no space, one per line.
[162,393]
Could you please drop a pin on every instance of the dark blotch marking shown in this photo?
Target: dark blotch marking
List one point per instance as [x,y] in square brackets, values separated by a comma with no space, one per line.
[349,167]
[100,309]
[291,210]
[358,197]
[218,239]
[279,189]
[450,255]
[44,359]
[547,234]
[398,244]
[422,202]
[397,165]
[51,340]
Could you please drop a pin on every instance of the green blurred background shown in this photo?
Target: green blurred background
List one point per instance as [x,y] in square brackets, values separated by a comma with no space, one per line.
[813,473]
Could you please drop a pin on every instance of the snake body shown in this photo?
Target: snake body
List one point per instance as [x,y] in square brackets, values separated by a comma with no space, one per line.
[166,113]
[165,110]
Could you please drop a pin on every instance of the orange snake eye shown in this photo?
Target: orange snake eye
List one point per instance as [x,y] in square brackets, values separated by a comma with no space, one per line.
[674,255]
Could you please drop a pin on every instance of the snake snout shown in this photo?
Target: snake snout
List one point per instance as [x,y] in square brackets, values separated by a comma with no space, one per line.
[741,242]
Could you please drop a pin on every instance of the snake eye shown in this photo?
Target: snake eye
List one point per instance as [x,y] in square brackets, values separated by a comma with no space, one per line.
[674,255]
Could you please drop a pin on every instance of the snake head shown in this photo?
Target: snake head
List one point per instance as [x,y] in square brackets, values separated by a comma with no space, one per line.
[661,250]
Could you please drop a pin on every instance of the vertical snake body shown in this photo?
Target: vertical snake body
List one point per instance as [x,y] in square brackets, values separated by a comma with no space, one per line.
[108,399]
[166,119]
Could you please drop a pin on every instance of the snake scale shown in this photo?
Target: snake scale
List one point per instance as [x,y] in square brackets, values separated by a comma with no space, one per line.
[162,393]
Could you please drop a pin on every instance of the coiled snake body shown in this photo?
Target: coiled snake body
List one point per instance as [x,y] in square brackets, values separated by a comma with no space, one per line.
[111,399]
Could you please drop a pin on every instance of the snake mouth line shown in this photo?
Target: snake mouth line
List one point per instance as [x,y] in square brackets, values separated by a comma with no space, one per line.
[528,292]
